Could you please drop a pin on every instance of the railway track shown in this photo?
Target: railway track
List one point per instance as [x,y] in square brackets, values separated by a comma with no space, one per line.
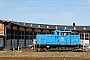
[33,50]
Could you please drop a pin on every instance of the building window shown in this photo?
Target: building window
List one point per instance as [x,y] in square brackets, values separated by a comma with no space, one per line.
[22,36]
[20,32]
[84,36]
[34,37]
[8,36]
[27,32]
[35,33]
[30,33]
[27,37]
[15,36]
[8,31]
[15,32]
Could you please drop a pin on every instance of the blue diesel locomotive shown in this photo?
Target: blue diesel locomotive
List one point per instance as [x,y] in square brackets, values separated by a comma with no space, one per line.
[60,40]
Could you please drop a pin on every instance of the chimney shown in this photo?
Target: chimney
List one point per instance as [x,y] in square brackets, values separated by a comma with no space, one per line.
[73,24]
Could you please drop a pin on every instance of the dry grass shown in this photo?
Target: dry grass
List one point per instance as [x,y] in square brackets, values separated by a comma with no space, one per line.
[44,54]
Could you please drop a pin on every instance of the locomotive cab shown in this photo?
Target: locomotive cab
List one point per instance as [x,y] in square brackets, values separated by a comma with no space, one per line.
[62,32]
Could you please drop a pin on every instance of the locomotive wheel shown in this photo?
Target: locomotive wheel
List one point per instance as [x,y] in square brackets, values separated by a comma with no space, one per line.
[73,50]
[41,49]
[46,49]
[37,49]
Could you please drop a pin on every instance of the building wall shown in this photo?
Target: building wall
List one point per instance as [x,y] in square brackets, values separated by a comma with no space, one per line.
[1,28]
[21,35]
[84,35]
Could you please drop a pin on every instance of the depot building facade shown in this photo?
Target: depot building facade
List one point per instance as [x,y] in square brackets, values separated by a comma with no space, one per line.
[16,34]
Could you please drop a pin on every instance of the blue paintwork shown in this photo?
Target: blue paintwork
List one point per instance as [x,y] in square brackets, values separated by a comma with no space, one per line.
[58,39]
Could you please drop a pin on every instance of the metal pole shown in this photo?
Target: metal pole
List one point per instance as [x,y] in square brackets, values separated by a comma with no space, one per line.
[6,32]
[5,37]
[84,42]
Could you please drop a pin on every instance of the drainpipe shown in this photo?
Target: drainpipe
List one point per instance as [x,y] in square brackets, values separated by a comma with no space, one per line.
[6,32]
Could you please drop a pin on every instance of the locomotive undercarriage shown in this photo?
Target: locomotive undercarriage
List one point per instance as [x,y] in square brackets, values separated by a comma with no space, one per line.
[58,47]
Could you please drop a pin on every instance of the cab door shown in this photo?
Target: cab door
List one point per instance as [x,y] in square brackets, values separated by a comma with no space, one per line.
[68,38]
[57,39]
[62,40]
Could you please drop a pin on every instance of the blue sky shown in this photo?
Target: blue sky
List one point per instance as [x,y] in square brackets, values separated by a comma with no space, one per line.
[46,11]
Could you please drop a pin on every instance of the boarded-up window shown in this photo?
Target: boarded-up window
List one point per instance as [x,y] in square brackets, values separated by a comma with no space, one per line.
[1,29]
